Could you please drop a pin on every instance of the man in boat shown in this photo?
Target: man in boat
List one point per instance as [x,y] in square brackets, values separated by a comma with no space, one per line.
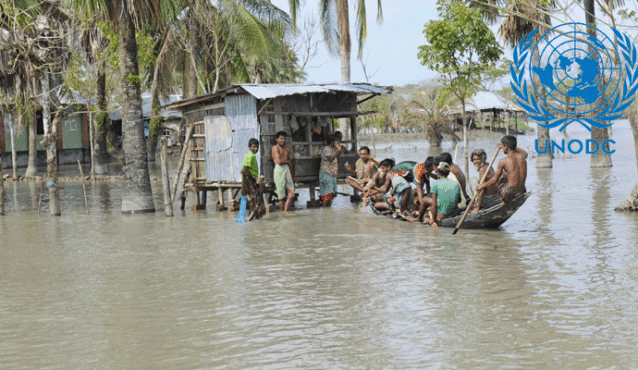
[379,184]
[250,184]
[365,167]
[446,194]
[511,172]
[456,174]
[412,172]
[488,197]
[329,170]
[284,180]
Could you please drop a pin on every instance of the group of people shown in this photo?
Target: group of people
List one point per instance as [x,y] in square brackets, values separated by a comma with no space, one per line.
[252,188]
[440,185]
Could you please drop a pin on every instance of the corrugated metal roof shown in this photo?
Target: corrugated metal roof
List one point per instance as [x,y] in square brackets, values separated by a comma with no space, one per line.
[146,108]
[485,100]
[268,91]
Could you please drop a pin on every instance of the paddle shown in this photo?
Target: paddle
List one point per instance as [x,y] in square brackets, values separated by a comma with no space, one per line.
[467,210]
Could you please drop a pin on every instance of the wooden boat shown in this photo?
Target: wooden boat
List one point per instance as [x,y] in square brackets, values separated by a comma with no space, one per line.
[486,218]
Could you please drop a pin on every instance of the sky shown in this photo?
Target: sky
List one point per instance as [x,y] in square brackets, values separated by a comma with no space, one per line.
[391,49]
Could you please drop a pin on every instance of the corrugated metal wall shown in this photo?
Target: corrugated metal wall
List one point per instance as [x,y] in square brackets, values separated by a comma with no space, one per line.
[227,138]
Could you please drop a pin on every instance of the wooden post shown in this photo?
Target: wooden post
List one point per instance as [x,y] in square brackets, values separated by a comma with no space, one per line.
[220,201]
[86,202]
[168,204]
[91,129]
[491,121]
[231,200]
[180,164]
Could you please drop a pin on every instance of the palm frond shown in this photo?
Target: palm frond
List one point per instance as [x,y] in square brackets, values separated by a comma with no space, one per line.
[329,27]
[362,27]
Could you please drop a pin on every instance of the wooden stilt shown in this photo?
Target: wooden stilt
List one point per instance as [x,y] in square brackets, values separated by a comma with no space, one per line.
[220,203]
[86,201]
[180,163]
[231,200]
[168,203]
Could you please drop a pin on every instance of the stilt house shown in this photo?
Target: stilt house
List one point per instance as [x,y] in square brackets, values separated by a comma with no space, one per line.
[223,122]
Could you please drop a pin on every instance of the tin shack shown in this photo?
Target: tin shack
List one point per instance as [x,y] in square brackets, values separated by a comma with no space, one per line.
[223,122]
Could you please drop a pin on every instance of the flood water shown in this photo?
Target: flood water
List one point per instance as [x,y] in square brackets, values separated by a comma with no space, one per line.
[340,288]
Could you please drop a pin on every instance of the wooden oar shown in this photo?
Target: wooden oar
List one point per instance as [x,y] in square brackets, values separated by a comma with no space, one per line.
[467,210]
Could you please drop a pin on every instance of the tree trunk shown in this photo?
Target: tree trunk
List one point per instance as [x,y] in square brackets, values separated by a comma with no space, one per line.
[155,126]
[344,53]
[631,202]
[50,143]
[193,36]
[466,166]
[137,194]
[542,134]
[543,160]
[168,202]
[32,169]
[14,154]
[600,158]
[101,125]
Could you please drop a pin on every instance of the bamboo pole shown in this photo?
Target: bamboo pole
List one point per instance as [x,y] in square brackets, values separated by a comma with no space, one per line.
[180,164]
[168,204]
[91,139]
[86,201]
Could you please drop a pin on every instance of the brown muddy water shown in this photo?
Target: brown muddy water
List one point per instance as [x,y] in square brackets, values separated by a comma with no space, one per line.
[553,288]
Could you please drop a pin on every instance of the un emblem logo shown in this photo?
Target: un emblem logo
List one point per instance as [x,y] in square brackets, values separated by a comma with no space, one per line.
[574,77]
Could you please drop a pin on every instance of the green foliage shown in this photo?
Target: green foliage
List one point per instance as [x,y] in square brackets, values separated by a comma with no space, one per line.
[430,110]
[460,46]
[134,79]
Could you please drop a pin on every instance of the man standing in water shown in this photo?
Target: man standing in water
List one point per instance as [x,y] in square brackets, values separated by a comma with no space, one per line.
[511,172]
[488,197]
[284,182]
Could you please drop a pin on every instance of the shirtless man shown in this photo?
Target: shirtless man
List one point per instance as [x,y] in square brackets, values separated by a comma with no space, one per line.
[284,181]
[511,172]
[489,197]
[380,183]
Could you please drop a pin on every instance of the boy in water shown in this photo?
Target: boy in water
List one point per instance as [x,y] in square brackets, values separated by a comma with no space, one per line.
[250,184]
[380,183]
[511,172]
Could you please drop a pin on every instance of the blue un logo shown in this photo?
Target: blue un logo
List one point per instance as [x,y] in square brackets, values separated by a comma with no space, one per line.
[567,75]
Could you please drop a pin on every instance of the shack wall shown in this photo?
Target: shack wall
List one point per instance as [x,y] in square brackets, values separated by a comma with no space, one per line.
[227,138]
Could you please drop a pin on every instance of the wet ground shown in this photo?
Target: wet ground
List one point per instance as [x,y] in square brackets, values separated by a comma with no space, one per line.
[339,288]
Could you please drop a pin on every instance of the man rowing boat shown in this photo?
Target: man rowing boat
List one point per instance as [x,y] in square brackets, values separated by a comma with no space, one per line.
[511,172]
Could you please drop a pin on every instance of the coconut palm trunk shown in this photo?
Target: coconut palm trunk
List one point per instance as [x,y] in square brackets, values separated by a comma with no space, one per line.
[600,158]
[32,169]
[631,202]
[101,125]
[137,194]
[344,53]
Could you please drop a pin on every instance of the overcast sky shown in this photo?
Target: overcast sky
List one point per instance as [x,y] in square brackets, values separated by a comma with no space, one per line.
[391,48]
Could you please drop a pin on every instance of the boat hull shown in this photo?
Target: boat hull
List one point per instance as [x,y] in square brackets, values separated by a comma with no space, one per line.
[484,219]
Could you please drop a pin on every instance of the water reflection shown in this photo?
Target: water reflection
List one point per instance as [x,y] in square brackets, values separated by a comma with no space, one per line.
[554,287]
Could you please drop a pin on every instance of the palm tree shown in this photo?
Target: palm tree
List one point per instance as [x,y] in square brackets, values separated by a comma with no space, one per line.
[522,18]
[335,27]
[432,110]
[126,16]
